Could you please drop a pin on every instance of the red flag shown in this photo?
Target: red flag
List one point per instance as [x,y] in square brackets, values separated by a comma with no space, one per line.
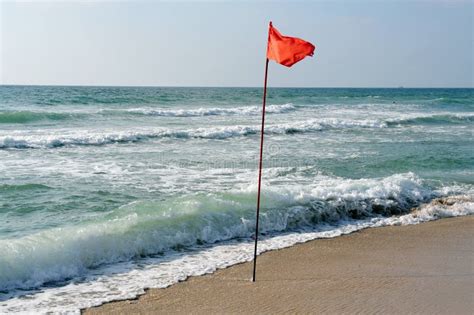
[287,50]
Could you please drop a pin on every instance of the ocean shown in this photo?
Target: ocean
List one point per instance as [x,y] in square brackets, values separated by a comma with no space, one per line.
[106,191]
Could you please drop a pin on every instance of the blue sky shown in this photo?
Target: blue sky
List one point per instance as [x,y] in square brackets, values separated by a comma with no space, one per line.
[358,43]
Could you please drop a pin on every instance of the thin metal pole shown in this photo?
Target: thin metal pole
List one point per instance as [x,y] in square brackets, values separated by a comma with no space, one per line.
[260,171]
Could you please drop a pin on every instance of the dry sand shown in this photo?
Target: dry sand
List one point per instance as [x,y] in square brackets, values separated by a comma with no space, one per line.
[426,268]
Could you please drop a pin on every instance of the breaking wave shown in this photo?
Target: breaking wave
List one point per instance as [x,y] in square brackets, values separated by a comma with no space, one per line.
[22,117]
[152,227]
[85,137]
[433,119]
[205,111]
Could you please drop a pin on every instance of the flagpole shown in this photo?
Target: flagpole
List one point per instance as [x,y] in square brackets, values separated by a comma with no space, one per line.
[260,170]
[286,51]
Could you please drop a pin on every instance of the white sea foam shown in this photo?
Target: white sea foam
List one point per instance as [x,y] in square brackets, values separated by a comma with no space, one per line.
[66,137]
[326,208]
[213,111]
[440,118]
[127,280]
[23,115]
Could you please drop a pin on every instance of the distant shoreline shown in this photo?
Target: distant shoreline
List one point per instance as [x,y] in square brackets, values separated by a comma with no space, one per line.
[424,268]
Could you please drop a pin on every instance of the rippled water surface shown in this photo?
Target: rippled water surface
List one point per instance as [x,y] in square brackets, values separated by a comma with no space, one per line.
[101,183]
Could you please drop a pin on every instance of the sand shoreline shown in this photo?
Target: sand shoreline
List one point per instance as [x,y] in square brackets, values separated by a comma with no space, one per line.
[424,268]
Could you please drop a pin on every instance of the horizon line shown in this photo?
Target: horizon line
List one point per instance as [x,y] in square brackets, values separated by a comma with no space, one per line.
[229,86]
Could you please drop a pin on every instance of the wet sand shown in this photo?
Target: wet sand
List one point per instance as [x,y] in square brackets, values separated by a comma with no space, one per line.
[424,269]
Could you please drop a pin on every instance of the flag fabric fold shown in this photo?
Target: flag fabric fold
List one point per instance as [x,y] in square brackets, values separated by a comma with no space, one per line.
[287,50]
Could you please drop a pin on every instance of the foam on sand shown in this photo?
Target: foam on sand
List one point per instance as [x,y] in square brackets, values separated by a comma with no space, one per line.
[326,208]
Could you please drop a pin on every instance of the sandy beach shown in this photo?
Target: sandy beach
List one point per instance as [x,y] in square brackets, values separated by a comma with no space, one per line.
[145,144]
[424,269]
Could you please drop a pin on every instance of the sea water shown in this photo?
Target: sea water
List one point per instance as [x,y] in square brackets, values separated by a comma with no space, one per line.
[106,191]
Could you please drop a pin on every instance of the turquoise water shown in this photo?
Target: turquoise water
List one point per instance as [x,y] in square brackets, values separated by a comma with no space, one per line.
[97,177]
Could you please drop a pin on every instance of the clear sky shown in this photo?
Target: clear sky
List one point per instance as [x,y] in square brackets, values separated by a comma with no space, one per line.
[358,43]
